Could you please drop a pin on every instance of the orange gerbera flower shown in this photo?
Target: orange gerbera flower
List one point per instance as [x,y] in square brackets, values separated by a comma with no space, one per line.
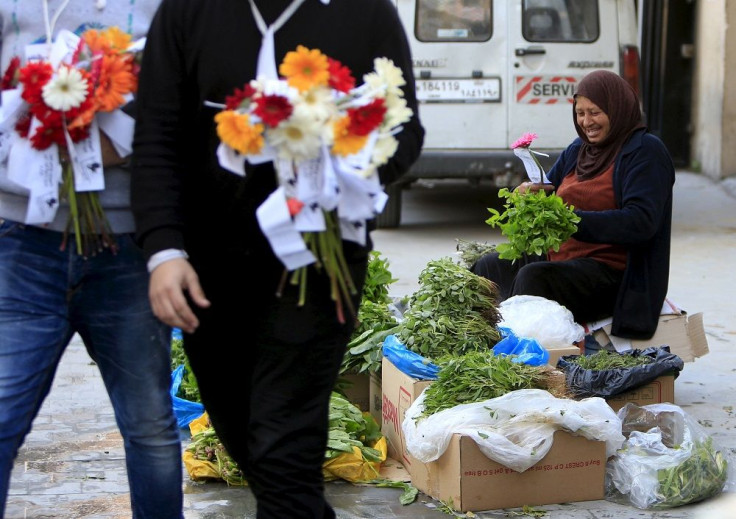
[305,68]
[108,40]
[346,143]
[235,130]
[116,80]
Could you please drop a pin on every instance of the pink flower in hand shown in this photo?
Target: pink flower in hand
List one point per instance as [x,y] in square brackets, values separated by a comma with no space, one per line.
[524,141]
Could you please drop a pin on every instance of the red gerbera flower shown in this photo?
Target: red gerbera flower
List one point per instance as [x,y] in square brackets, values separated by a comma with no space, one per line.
[10,78]
[367,118]
[33,77]
[23,125]
[49,131]
[341,79]
[272,109]
[236,100]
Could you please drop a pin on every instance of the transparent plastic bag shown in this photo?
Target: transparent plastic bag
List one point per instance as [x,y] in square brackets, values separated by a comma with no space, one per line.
[542,319]
[667,460]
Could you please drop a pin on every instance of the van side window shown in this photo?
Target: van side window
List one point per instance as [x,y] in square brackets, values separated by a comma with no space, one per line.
[453,20]
[574,21]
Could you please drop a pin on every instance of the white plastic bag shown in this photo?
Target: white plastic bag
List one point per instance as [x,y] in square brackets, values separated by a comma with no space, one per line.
[550,323]
[667,460]
[515,430]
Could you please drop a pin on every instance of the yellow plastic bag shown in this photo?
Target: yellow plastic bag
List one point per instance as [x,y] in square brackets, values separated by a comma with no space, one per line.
[351,466]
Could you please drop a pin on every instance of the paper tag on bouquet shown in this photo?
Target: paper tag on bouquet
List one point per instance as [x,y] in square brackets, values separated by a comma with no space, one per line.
[534,169]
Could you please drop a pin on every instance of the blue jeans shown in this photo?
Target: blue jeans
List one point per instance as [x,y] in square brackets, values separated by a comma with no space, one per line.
[48,295]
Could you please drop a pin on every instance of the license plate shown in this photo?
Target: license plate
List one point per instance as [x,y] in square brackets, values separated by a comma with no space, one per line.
[459,90]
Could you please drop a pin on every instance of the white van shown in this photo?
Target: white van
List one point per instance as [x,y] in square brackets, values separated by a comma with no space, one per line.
[488,71]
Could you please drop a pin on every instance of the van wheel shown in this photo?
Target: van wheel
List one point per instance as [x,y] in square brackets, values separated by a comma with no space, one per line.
[390,217]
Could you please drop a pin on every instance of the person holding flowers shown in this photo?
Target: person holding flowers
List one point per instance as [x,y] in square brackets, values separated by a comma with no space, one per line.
[619,179]
[68,261]
[265,131]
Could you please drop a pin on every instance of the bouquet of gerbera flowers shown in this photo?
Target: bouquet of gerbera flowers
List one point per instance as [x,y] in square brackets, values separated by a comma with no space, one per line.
[327,139]
[54,109]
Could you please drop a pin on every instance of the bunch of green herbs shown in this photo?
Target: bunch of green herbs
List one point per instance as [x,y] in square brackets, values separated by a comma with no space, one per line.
[471,251]
[478,376]
[376,320]
[533,223]
[452,313]
[604,359]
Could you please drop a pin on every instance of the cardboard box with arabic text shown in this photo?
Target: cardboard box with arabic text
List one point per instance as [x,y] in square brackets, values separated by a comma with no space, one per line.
[398,391]
[463,477]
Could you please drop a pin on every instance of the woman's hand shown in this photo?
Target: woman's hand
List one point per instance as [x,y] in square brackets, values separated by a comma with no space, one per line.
[533,187]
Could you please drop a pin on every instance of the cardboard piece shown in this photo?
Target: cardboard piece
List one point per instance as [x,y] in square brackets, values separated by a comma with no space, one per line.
[661,389]
[398,391]
[556,353]
[463,477]
[683,333]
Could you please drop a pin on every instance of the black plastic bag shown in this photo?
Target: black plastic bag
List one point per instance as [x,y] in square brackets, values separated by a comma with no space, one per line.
[606,383]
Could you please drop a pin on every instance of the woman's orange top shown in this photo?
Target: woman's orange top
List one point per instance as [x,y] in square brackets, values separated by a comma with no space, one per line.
[595,194]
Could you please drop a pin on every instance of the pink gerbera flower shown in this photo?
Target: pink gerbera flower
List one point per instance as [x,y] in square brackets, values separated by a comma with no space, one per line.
[524,141]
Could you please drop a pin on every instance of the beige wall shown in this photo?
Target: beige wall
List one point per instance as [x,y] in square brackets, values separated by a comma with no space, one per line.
[714,105]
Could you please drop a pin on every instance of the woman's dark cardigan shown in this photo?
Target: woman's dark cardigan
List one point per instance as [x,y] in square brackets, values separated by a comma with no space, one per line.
[643,178]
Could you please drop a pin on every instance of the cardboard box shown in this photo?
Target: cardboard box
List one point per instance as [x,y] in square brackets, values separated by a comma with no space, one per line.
[463,477]
[661,389]
[357,390]
[398,391]
[374,393]
[683,333]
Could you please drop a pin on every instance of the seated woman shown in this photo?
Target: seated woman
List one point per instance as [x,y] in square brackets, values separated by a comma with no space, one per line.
[619,178]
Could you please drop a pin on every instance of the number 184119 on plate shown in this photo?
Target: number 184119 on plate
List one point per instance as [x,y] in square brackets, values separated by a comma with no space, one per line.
[459,90]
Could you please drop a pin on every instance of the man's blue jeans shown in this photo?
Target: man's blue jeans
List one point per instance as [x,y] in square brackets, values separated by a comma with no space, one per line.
[46,296]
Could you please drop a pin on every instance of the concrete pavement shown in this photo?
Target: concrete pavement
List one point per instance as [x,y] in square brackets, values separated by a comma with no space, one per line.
[72,463]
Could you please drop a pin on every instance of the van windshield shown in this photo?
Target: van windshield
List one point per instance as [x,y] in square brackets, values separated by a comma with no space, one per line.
[453,20]
[574,21]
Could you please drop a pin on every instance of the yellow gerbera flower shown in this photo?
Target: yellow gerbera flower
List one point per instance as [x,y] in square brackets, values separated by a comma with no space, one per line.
[235,130]
[305,68]
[346,143]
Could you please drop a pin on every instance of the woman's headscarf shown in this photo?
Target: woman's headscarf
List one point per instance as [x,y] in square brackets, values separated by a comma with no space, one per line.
[612,94]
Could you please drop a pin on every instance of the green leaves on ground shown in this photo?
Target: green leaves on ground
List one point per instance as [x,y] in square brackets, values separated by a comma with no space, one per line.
[534,223]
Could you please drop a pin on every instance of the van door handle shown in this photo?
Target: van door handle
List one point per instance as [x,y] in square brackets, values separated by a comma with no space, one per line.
[527,52]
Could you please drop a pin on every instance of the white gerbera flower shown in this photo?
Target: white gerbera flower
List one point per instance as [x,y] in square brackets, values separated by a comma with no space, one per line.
[297,138]
[317,103]
[67,89]
[384,149]
[396,112]
[386,76]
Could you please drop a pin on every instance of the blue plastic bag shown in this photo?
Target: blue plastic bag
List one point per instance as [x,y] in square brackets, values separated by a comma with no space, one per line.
[526,349]
[407,361]
[185,410]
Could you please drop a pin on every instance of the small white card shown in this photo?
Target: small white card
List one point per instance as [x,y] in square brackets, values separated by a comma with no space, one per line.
[86,159]
[278,226]
[231,160]
[534,171]
[40,172]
